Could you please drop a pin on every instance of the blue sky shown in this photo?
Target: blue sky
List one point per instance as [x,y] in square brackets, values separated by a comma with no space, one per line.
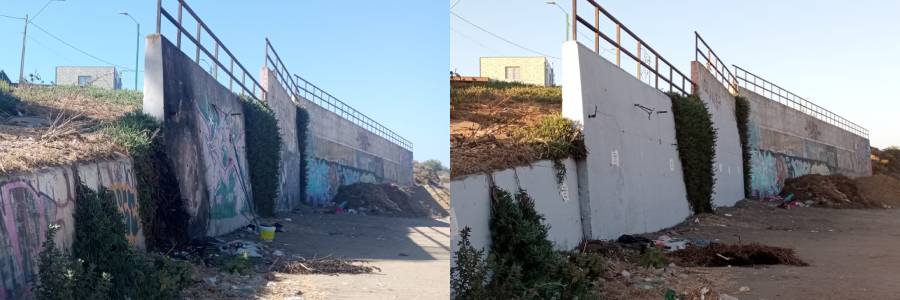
[388,59]
[841,55]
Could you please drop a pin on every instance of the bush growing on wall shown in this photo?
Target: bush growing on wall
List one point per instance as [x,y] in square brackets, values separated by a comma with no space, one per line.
[697,149]
[742,114]
[522,263]
[263,154]
[302,120]
[163,216]
[101,264]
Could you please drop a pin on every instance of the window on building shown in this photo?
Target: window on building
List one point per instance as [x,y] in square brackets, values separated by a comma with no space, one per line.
[512,74]
[84,80]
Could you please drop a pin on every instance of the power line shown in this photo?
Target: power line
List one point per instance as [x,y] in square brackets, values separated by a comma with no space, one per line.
[11,17]
[502,38]
[454,4]
[42,9]
[76,48]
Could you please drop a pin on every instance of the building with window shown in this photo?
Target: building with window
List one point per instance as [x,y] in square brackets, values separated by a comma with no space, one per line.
[102,77]
[534,70]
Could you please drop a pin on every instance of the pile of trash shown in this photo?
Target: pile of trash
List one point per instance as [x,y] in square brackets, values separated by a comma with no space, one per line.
[835,191]
[378,199]
[325,266]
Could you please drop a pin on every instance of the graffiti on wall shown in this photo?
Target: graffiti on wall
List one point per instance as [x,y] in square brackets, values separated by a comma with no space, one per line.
[770,170]
[228,194]
[126,200]
[324,179]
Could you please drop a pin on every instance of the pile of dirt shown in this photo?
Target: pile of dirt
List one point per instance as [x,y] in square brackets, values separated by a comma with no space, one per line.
[432,187]
[721,255]
[886,162]
[380,199]
[880,189]
[835,191]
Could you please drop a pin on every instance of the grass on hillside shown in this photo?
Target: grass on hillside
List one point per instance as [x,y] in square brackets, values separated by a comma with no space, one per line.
[511,90]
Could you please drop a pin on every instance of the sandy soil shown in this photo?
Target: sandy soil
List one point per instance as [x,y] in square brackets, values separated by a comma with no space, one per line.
[853,253]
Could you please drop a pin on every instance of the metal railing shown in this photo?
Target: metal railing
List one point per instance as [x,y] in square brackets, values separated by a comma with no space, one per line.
[774,92]
[673,82]
[714,64]
[300,88]
[214,55]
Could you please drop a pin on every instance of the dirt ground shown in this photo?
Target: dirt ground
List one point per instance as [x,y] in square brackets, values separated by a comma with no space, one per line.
[852,253]
[411,256]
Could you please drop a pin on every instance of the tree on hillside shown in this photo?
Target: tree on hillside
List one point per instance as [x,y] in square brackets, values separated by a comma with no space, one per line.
[3,77]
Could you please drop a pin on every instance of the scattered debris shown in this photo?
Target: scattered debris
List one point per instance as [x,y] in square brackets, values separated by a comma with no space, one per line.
[835,191]
[325,266]
[721,255]
[670,244]
[378,199]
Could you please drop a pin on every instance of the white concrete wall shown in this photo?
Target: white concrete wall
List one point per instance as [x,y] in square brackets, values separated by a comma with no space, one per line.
[643,191]
[471,203]
[728,168]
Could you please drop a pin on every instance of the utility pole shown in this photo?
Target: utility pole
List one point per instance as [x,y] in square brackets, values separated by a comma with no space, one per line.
[22,59]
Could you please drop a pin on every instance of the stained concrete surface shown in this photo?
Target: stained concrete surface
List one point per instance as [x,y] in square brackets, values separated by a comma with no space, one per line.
[413,255]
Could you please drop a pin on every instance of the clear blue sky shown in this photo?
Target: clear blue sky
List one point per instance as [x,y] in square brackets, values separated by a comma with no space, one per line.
[842,55]
[388,59]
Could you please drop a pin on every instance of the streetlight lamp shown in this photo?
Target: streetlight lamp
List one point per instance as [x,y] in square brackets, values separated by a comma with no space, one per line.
[565,12]
[137,48]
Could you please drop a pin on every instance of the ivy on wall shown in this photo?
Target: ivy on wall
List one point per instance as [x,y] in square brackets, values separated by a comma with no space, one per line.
[742,114]
[263,154]
[697,149]
[302,121]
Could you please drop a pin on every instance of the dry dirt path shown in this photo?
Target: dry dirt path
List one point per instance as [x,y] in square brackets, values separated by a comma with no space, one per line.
[413,255]
[853,253]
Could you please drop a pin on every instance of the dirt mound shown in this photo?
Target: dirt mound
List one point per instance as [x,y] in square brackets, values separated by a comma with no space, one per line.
[721,255]
[880,189]
[836,191]
[380,199]
[886,162]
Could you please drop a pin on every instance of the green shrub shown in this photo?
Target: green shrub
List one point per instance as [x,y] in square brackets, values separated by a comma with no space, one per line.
[742,115]
[163,216]
[697,149]
[522,263]
[555,137]
[302,122]
[652,258]
[8,101]
[263,154]
[102,265]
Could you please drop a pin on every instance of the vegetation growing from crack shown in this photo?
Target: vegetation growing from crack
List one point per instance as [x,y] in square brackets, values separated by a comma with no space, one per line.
[696,148]
[302,123]
[522,263]
[742,114]
[162,212]
[101,264]
[555,138]
[263,154]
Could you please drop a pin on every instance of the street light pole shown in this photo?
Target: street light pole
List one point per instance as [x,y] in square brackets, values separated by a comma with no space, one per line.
[137,48]
[567,16]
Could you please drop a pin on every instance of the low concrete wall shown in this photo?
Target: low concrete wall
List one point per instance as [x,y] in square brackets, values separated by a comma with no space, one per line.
[342,153]
[787,143]
[559,204]
[633,171]
[30,202]
[729,165]
[203,129]
[278,99]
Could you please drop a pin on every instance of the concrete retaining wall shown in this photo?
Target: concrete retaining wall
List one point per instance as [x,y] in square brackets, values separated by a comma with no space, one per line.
[203,129]
[471,202]
[787,143]
[633,172]
[30,202]
[342,153]
[278,99]
[729,167]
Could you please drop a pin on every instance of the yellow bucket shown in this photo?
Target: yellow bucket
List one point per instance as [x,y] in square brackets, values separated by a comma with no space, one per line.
[267,233]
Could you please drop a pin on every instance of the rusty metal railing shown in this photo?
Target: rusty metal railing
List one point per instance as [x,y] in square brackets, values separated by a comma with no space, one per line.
[774,92]
[683,85]
[214,55]
[714,64]
[300,88]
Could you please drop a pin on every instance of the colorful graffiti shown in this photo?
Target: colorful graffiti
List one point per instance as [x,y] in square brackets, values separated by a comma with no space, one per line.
[770,170]
[126,200]
[225,176]
[25,213]
[324,179]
